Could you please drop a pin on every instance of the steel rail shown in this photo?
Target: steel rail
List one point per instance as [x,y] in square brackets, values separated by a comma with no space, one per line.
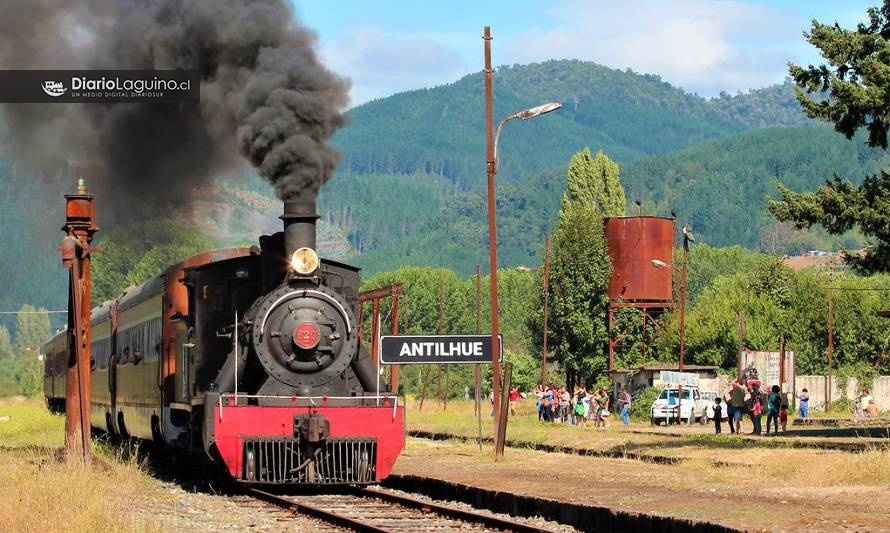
[406,502]
[451,512]
[315,512]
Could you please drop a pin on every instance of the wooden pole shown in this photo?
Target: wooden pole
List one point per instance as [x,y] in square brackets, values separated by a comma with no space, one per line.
[492,233]
[830,351]
[741,330]
[477,368]
[375,330]
[546,307]
[394,317]
[441,332]
[505,411]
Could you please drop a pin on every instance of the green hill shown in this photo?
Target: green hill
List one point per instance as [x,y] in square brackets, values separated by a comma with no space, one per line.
[410,188]
[719,187]
[441,130]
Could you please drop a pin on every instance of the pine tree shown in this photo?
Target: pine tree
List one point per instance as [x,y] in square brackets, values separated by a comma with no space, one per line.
[858,91]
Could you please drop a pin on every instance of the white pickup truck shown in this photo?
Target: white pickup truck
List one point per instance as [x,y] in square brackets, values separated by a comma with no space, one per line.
[692,406]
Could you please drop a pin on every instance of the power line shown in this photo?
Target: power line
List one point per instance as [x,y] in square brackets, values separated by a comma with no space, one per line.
[880,289]
[30,312]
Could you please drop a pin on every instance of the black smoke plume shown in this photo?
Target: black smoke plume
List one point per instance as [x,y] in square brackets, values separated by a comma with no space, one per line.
[264,95]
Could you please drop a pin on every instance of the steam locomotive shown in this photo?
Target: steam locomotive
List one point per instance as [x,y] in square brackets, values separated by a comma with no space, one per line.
[250,356]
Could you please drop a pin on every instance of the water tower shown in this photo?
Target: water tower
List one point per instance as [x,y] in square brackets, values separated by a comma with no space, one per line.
[633,243]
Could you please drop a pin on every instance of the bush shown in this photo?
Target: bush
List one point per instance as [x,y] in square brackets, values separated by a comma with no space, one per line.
[642,403]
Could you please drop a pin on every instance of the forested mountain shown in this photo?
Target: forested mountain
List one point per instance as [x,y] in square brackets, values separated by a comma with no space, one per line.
[720,187]
[410,187]
[441,130]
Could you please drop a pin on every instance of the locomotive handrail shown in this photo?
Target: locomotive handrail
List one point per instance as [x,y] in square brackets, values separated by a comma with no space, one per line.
[376,397]
[322,295]
[322,397]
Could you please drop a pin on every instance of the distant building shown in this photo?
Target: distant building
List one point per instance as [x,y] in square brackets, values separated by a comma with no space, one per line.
[649,375]
[819,260]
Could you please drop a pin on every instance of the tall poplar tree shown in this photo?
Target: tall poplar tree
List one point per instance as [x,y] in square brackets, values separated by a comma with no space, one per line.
[857,84]
[581,269]
[593,181]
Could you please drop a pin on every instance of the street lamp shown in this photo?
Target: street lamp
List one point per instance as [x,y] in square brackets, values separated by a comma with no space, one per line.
[522,115]
[491,149]
[35,349]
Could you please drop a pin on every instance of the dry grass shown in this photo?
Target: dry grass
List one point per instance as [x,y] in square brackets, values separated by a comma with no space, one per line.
[40,492]
[768,460]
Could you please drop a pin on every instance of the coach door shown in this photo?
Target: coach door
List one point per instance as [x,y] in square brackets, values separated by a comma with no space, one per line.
[185,348]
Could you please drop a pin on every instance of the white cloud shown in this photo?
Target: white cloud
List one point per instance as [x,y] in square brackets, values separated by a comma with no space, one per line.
[380,64]
[703,46]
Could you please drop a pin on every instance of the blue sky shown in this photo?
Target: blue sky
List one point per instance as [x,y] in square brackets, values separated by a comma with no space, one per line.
[704,46]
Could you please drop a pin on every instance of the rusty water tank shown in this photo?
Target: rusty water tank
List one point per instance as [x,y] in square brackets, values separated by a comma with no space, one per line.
[633,242]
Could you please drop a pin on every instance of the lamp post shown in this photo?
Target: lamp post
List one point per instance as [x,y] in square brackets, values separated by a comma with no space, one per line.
[492,153]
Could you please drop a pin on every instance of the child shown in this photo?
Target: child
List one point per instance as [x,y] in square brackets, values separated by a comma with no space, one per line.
[718,414]
[783,416]
[804,399]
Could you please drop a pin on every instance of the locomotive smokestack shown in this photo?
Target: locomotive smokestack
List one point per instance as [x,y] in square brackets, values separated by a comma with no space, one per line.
[299,225]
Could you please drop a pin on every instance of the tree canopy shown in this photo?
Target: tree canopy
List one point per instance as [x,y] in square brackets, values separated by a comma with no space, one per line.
[581,268]
[856,80]
[134,253]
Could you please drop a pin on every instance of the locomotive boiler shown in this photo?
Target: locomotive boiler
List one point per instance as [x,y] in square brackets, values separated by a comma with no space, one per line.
[249,356]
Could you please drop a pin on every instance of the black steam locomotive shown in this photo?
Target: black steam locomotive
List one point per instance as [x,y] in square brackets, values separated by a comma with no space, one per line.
[250,356]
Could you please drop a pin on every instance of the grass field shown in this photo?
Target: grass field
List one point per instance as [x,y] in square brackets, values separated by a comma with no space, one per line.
[39,491]
[753,483]
[771,459]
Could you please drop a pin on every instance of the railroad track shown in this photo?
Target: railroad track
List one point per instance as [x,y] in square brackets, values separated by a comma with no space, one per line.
[375,510]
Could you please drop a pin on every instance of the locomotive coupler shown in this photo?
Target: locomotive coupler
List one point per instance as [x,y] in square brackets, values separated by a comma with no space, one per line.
[312,428]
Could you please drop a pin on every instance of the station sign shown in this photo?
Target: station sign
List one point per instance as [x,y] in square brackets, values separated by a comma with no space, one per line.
[436,349]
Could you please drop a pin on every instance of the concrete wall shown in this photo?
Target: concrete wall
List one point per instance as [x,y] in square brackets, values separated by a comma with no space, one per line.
[816,388]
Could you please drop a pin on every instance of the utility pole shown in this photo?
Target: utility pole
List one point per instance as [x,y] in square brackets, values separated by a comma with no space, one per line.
[80,226]
[546,306]
[828,385]
[741,330]
[492,239]
[477,368]
[441,331]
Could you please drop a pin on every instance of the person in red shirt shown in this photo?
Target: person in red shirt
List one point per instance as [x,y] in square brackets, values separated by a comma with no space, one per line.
[514,397]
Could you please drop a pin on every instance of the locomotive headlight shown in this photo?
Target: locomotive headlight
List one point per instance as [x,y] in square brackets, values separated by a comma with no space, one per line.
[304,261]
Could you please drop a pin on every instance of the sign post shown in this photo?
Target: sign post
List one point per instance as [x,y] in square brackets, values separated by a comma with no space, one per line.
[436,349]
[449,349]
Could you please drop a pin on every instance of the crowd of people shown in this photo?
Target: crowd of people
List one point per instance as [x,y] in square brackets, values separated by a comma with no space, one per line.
[579,407]
[744,399]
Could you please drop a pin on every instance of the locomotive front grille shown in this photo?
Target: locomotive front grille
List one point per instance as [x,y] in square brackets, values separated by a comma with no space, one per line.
[338,460]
